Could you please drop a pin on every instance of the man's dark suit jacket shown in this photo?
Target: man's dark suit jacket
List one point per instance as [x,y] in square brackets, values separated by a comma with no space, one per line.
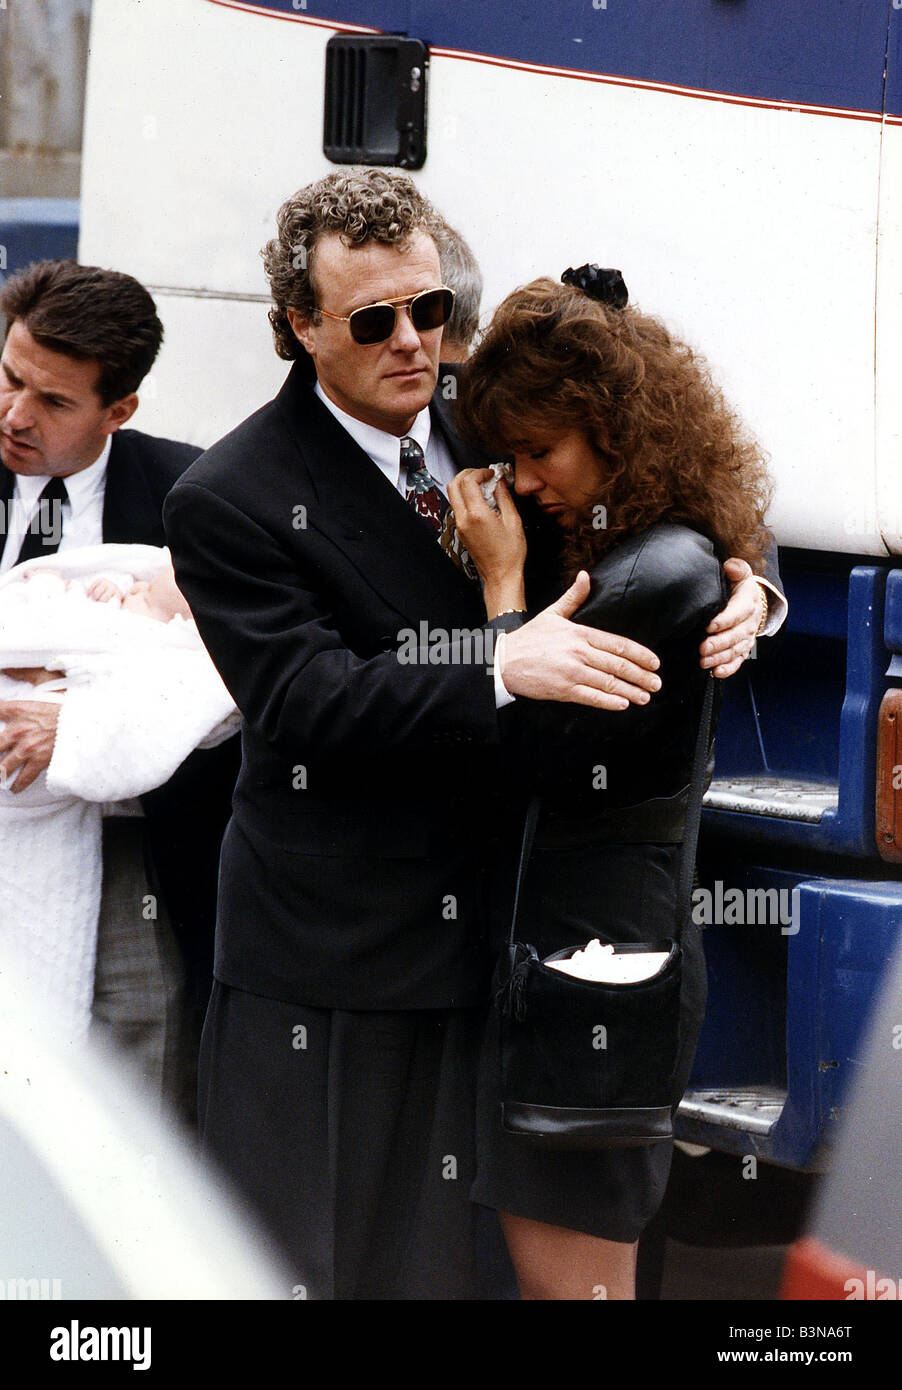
[185,817]
[349,876]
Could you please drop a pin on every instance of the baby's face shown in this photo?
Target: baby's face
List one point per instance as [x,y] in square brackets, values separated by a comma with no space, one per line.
[158,598]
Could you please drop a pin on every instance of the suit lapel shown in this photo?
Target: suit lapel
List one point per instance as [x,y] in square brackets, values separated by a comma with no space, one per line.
[130,511]
[370,521]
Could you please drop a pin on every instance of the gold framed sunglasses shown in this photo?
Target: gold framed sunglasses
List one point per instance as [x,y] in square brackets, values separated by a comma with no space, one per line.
[375,323]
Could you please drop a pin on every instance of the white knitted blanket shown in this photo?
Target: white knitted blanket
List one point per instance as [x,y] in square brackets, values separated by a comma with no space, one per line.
[137,697]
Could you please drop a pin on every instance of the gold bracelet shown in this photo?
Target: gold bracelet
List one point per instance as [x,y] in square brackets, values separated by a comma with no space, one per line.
[765,611]
[506,612]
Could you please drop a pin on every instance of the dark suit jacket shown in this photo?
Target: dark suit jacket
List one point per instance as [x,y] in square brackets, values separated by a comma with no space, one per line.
[186,817]
[350,868]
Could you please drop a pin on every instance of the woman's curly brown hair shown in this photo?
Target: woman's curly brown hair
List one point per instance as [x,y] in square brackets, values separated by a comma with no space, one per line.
[553,360]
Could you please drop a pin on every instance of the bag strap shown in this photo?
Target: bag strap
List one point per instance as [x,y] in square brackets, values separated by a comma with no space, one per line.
[694,806]
[690,832]
[529,834]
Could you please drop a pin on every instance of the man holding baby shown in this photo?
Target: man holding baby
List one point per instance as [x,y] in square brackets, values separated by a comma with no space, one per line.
[79,341]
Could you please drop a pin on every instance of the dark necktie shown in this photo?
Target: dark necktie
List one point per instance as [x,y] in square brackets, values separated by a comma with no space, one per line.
[427,499]
[46,526]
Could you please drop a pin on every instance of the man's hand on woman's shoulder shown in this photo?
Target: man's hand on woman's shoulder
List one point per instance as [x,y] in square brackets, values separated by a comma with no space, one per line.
[552,658]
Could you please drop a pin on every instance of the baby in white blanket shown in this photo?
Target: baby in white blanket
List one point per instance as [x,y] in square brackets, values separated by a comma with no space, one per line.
[158,598]
[104,632]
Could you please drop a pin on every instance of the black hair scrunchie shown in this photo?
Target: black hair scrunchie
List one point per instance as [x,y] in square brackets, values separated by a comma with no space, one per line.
[607,286]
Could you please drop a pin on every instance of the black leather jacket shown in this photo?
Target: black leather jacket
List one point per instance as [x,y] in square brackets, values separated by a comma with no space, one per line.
[661,588]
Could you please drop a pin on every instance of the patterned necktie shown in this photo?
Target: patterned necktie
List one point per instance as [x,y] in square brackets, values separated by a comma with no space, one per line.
[423,492]
[427,499]
[46,526]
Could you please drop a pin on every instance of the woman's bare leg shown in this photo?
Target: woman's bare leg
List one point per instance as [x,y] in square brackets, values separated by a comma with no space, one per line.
[552,1262]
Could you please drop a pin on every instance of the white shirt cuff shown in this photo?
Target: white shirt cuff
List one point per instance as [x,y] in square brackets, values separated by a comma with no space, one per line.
[502,694]
[777,608]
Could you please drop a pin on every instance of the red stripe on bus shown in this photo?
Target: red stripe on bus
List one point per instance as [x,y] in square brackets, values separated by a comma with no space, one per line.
[296,18]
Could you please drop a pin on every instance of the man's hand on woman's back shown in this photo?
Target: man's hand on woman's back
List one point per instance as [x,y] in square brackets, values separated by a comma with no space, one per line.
[733,631]
[551,658]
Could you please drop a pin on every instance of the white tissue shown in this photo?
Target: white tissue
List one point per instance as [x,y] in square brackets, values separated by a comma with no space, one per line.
[598,962]
[499,471]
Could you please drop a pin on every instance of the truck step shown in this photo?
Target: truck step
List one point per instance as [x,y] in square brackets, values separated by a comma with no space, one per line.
[752,1109]
[784,797]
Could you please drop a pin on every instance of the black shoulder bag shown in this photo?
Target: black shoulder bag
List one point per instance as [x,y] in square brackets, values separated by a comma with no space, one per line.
[588,1064]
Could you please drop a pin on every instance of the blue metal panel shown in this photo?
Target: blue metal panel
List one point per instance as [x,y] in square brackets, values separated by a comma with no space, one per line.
[848,932]
[819,602]
[789,727]
[743,1039]
[781,713]
[798,1129]
[390,16]
[828,54]
[859,929]
[821,986]
[37,229]
[894,62]
[892,621]
[851,827]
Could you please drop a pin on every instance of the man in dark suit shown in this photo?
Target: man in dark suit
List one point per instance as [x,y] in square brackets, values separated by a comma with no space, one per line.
[338,1059]
[79,342]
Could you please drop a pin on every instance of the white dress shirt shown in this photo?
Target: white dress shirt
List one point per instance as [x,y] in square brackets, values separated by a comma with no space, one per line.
[385,451]
[82,514]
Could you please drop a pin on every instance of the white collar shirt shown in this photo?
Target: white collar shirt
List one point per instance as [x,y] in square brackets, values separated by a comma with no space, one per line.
[82,515]
[385,449]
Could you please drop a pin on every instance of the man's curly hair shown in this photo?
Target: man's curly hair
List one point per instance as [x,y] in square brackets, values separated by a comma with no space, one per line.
[553,360]
[361,205]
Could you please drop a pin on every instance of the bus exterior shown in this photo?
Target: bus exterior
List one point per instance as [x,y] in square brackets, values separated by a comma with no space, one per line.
[742,165]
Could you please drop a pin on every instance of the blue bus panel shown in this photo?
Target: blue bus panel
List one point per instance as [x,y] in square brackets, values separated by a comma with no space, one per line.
[830,54]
